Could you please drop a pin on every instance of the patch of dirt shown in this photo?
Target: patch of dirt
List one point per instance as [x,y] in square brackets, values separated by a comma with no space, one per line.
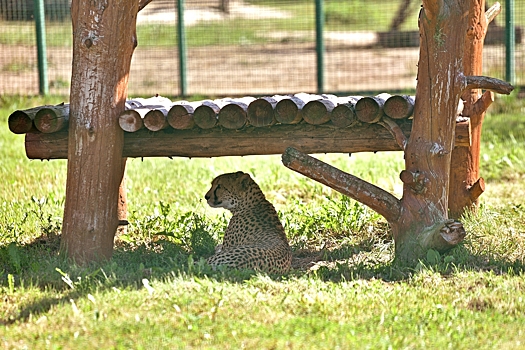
[199,11]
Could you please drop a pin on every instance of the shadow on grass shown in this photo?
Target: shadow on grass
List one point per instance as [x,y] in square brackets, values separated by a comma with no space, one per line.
[39,265]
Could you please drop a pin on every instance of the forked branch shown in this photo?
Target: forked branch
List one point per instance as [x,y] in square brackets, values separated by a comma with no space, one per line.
[364,192]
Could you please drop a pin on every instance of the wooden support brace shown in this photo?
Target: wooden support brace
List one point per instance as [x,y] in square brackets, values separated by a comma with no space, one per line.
[376,198]
[396,131]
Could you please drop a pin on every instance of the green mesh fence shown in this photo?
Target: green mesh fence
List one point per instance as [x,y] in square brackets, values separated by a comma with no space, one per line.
[247,47]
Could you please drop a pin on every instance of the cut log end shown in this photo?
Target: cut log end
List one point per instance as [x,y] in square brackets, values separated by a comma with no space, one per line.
[19,122]
[343,115]
[369,109]
[399,106]
[130,121]
[452,233]
[261,113]
[233,116]
[317,112]
[288,111]
[205,116]
[180,117]
[155,120]
[442,236]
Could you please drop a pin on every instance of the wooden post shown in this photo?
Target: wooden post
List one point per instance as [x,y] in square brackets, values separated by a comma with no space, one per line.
[427,157]
[419,220]
[104,39]
[465,181]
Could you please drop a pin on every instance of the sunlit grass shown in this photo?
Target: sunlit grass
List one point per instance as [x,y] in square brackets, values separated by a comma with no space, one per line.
[348,293]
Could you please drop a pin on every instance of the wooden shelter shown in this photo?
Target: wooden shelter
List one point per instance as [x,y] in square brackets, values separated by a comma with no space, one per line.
[441,151]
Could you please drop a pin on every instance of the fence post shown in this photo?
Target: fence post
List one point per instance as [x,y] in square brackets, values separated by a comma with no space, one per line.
[319,44]
[40,27]
[510,42]
[181,37]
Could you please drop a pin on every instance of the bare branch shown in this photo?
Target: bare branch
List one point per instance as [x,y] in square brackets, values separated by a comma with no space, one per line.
[492,12]
[395,130]
[143,3]
[364,192]
[488,83]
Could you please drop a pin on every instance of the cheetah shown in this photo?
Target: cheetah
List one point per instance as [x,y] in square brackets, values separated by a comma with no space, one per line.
[254,238]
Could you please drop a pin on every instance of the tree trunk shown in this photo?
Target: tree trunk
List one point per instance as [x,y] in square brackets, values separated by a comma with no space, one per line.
[465,184]
[427,156]
[103,42]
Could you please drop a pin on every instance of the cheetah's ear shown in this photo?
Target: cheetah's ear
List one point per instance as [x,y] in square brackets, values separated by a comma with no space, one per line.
[245,180]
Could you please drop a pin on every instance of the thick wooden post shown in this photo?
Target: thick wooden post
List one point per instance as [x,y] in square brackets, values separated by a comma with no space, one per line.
[465,183]
[103,42]
[427,156]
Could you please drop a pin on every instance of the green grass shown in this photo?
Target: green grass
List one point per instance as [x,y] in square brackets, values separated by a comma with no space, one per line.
[156,292]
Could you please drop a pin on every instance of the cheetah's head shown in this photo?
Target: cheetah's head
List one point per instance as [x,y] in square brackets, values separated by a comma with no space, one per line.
[227,190]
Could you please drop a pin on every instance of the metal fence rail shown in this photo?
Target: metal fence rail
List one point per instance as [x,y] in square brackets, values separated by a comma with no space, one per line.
[248,47]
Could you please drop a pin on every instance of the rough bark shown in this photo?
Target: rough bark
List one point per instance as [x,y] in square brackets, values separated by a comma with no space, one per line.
[465,160]
[427,157]
[419,221]
[103,42]
[377,199]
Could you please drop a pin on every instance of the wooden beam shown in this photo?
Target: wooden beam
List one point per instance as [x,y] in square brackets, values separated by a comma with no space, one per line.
[250,141]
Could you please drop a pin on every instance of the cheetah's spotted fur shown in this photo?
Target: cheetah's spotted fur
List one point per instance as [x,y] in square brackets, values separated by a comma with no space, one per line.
[255,237]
